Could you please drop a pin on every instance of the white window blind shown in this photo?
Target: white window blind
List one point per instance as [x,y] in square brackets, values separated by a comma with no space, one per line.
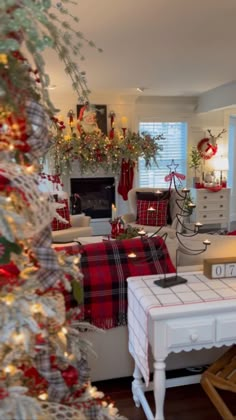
[174,147]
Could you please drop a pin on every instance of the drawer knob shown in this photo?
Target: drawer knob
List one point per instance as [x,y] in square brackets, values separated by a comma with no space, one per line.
[205,207]
[205,197]
[193,337]
[221,206]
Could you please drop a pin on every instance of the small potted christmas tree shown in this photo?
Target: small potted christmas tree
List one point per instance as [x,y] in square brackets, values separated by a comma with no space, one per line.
[195,163]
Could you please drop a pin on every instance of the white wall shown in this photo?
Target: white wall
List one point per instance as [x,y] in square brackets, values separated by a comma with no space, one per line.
[142,108]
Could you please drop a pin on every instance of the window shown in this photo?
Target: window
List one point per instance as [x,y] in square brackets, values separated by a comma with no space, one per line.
[174,147]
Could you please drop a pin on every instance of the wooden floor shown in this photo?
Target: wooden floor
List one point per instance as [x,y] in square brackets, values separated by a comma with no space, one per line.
[181,403]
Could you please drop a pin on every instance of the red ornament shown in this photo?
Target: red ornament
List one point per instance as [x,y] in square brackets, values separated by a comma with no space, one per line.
[70,376]
[3,182]
[39,339]
[9,276]
[33,379]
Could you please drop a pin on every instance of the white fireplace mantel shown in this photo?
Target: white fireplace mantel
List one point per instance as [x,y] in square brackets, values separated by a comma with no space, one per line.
[100,226]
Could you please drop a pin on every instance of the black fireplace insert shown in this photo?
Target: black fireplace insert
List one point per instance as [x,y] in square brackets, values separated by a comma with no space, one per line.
[93,196]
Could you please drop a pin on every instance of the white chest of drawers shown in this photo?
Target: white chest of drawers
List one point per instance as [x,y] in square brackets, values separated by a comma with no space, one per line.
[211,207]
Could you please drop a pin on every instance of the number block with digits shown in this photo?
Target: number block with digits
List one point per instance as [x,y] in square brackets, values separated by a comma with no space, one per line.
[217,268]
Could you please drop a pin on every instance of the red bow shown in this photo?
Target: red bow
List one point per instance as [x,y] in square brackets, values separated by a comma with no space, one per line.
[171,175]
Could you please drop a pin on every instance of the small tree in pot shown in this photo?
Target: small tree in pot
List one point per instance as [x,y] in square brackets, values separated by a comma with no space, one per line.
[195,163]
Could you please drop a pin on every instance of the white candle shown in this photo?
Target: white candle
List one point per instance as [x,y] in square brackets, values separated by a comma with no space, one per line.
[207,242]
[132,255]
[141,232]
[113,212]
[151,208]
[124,122]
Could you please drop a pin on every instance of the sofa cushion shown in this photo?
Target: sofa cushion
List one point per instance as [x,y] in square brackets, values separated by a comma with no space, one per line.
[71,234]
[155,217]
[63,212]
[154,196]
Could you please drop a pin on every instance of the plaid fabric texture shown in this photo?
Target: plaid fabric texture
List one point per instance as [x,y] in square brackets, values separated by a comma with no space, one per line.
[65,213]
[39,139]
[57,389]
[72,248]
[154,196]
[106,266]
[49,271]
[156,217]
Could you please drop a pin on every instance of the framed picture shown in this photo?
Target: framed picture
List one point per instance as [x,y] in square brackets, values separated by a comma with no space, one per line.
[92,117]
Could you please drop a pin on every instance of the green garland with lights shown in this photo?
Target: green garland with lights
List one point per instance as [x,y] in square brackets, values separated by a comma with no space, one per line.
[95,151]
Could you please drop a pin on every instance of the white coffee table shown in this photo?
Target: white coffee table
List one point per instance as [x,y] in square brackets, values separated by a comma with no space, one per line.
[198,314]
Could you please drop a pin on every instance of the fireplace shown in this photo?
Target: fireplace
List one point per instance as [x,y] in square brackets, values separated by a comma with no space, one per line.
[96,195]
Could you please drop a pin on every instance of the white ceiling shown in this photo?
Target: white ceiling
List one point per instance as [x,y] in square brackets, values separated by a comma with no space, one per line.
[168,47]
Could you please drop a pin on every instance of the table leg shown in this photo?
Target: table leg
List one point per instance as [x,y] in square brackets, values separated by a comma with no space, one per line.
[137,384]
[138,389]
[159,388]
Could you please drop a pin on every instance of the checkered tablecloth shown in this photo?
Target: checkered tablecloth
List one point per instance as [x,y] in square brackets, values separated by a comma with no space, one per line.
[144,295]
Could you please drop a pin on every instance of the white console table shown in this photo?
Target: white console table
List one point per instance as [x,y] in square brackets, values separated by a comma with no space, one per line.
[198,314]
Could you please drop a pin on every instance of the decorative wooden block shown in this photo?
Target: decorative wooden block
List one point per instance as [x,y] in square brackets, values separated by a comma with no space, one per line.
[216,268]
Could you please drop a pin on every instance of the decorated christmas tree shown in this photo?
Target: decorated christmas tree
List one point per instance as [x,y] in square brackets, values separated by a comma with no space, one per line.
[43,356]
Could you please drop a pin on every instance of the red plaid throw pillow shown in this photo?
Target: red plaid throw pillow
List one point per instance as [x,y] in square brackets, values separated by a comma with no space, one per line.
[65,213]
[154,196]
[155,217]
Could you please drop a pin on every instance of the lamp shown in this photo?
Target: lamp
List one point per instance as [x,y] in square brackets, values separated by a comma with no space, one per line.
[221,164]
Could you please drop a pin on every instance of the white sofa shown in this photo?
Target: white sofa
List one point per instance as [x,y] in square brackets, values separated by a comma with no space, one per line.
[80,226]
[130,218]
[113,358]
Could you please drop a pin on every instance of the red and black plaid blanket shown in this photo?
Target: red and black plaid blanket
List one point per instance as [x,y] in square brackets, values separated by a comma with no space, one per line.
[106,266]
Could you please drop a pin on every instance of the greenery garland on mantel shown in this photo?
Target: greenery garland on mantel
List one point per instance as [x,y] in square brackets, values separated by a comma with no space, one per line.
[95,151]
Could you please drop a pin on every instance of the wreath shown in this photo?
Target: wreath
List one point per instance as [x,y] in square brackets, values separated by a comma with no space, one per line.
[206,149]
